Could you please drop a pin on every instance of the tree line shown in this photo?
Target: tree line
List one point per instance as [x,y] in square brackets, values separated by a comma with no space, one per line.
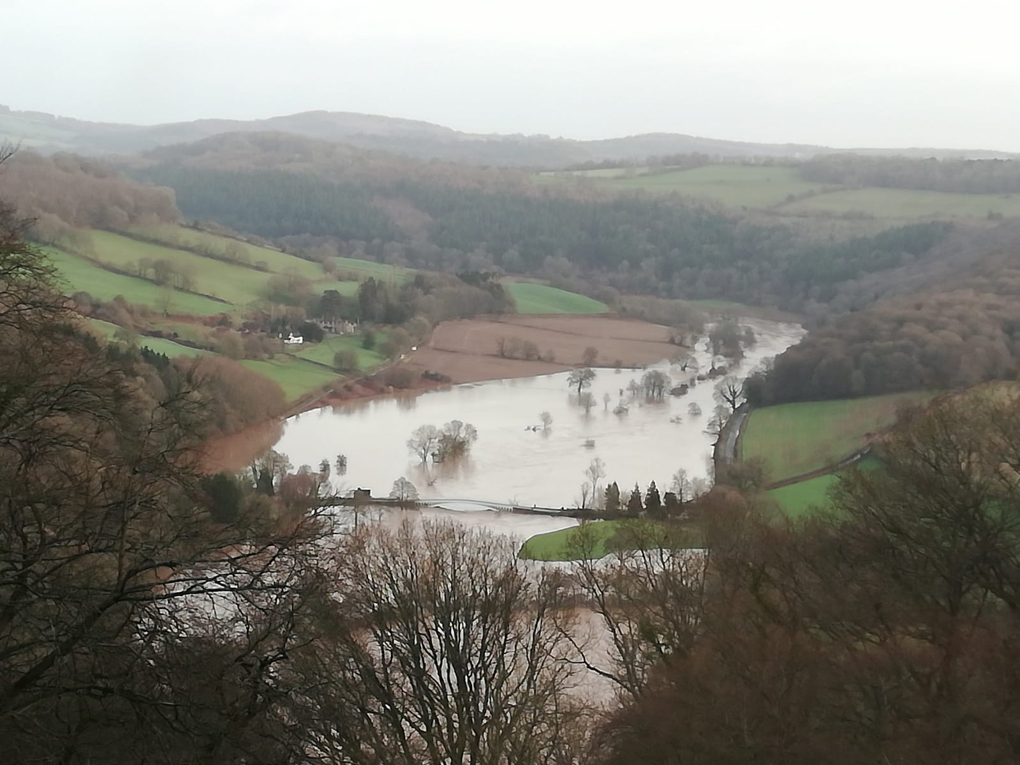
[963,176]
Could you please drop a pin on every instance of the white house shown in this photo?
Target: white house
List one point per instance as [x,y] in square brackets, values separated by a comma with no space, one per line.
[293,339]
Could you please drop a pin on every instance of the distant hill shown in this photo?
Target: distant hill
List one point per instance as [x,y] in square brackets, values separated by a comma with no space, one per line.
[50,133]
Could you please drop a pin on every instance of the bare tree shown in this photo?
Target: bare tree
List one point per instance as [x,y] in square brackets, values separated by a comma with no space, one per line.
[720,416]
[648,599]
[729,392]
[424,441]
[165,299]
[591,353]
[268,470]
[595,472]
[680,485]
[581,378]
[655,383]
[455,438]
[546,419]
[128,600]
[403,491]
[439,646]
[606,399]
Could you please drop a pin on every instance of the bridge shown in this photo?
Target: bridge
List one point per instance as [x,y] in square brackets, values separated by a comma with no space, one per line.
[455,504]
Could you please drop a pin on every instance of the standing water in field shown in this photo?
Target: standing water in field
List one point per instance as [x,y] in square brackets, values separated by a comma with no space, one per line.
[515,458]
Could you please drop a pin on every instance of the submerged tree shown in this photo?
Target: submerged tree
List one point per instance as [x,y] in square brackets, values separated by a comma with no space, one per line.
[581,378]
[424,442]
[456,438]
[655,383]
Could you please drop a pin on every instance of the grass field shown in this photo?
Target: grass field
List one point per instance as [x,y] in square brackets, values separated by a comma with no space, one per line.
[908,203]
[276,261]
[343,287]
[797,438]
[157,344]
[367,268]
[562,545]
[80,274]
[801,500]
[736,185]
[236,284]
[323,352]
[540,298]
[762,187]
[557,545]
[296,376]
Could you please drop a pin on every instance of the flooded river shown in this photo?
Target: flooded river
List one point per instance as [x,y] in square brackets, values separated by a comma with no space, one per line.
[511,462]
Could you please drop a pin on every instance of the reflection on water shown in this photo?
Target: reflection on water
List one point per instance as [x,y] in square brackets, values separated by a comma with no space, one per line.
[511,461]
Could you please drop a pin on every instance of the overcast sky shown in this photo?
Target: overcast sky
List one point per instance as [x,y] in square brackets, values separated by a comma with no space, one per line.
[865,73]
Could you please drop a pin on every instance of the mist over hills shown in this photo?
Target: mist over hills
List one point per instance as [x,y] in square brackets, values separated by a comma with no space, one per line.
[424,140]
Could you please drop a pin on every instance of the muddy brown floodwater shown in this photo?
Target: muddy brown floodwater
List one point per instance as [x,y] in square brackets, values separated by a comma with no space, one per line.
[511,462]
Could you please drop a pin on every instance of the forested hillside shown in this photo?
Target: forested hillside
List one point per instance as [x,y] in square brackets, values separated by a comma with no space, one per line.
[962,328]
[451,217]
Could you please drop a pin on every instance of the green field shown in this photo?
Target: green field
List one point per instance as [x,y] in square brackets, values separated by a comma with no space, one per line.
[737,185]
[296,376]
[366,268]
[80,274]
[563,544]
[157,344]
[276,261]
[540,298]
[343,287]
[323,352]
[765,187]
[908,203]
[794,439]
[233,283]
[801,500]
[557,545]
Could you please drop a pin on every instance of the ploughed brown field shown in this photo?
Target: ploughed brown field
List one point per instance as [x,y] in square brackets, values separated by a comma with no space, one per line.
[466,350]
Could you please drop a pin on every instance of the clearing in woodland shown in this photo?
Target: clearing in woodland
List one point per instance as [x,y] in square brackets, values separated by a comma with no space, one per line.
[541,298]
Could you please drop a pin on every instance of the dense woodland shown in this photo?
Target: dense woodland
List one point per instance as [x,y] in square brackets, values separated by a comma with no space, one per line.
[964,332]
[65,190]
[451,217]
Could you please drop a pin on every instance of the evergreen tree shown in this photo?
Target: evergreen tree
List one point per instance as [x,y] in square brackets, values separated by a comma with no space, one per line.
[671,503]
[612,499]
[653,503]
[634,506]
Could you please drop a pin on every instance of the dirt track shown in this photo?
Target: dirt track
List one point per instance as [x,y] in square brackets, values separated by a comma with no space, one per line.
[465,351]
